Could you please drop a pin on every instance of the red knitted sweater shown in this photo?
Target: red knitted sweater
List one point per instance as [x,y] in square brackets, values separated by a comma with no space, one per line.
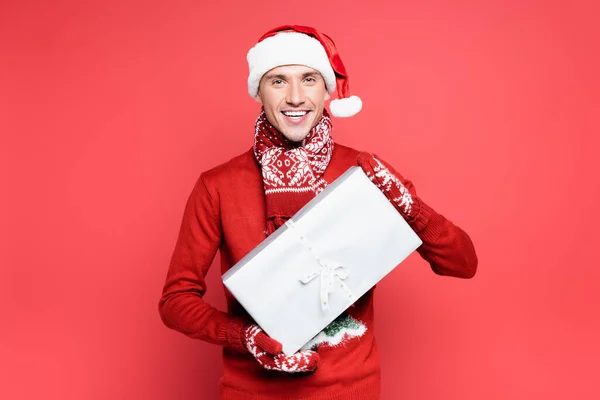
[226,211]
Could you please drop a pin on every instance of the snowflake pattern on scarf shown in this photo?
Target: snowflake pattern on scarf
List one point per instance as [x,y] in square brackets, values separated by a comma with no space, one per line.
[287,168]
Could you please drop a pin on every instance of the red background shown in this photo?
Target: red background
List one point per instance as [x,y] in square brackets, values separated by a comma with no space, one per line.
[109,110]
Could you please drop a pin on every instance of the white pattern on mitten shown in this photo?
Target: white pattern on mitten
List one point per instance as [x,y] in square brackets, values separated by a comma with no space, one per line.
[256,341]
[391,184]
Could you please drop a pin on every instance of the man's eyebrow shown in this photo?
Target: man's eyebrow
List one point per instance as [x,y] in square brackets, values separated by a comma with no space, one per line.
[273,76]
[284,77]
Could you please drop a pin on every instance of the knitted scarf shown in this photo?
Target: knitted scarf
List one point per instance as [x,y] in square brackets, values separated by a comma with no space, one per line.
[292,172]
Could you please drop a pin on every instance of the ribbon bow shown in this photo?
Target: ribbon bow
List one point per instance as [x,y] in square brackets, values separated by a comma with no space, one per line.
[328,272]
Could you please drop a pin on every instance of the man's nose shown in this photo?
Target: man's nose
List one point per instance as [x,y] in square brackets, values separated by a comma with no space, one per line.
[295,94]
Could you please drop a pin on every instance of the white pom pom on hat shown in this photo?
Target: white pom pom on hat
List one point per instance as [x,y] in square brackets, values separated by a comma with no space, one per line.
[296,44]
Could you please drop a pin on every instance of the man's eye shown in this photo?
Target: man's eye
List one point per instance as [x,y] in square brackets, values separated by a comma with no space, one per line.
[277,82]
[311,79]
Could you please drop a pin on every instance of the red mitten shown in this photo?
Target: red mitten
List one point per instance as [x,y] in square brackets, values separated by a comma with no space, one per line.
[268,353]
[389,184]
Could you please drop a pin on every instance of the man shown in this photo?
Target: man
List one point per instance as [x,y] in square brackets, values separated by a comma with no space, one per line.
[236,205]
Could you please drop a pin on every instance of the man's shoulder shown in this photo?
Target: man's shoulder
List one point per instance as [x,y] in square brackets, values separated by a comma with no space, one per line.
[238,168]
[344,151]
[349,153]
[345,155]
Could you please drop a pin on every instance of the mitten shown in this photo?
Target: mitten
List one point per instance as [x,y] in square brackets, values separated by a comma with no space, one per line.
[388,183]
[397,190]
[268,352]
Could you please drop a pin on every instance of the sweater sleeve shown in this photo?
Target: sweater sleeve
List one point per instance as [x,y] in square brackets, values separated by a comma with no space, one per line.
[446,247]
[181,305]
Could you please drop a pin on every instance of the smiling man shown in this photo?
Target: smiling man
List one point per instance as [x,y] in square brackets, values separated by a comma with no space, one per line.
[293,70]
[293,97]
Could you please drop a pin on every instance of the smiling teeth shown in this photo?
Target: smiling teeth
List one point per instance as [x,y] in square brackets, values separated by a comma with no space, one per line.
[295,113]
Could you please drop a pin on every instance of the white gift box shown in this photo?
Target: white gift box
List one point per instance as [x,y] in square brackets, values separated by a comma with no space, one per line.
[310,270]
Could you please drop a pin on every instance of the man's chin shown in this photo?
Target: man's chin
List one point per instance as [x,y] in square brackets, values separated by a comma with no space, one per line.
[296,139]
[296,135]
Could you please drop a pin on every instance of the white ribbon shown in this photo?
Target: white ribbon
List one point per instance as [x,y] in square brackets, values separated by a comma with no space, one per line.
[328,272]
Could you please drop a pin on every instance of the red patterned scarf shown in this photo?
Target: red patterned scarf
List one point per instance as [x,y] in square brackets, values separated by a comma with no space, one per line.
[292,173]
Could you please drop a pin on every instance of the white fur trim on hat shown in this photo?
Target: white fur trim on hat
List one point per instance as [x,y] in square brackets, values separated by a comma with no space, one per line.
[345,107]
[288,48]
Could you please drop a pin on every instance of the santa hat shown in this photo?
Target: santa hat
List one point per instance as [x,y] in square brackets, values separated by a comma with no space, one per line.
[295,44]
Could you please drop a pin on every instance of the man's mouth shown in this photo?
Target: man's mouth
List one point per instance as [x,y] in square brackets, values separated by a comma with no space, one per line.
[295,117]
[295,114]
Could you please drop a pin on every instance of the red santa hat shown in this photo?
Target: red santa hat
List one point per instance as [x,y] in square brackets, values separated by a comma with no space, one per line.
[303,45]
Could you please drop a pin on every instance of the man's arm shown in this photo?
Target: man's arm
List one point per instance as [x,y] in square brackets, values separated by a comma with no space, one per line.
[446,247]
[181,305]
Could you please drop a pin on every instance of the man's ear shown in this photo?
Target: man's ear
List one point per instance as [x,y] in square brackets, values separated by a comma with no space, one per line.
[327,95]
[257,98]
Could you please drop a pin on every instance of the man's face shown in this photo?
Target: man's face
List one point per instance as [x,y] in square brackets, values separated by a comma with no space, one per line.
[293,97]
